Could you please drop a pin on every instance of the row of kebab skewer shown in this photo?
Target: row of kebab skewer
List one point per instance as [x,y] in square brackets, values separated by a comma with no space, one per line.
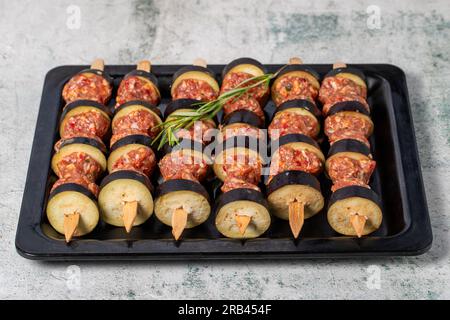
[126,198]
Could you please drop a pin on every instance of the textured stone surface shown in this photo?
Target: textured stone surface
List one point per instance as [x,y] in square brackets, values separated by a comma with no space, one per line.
[413,35]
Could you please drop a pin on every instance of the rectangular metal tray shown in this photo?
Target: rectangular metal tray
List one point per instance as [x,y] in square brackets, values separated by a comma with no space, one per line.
[405,230]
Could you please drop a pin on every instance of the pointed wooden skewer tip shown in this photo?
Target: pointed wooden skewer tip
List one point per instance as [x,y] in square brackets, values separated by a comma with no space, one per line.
[129,212]
[358,222]
[296,217]
[144,65]
[242,222]
[200,62]
[179,221]
[71,221]
[295,60]
[339,64]
[98,64]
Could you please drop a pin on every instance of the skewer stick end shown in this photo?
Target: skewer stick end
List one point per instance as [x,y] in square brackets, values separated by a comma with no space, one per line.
[295,60]
[98,64]
[144,65]
[296,217]
[129,211]
[358,222]
[339,64]
[71,221]
[242,222]
[179,221]
[200,62]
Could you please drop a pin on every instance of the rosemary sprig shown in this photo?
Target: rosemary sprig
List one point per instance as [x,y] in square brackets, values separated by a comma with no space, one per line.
[206,110]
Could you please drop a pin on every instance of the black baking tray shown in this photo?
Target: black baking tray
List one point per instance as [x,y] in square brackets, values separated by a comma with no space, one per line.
[405,230]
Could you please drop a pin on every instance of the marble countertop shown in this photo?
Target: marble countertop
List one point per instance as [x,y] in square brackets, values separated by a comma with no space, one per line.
[39,35]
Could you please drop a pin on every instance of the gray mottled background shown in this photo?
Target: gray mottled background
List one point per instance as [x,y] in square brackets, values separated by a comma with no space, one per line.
[415,35]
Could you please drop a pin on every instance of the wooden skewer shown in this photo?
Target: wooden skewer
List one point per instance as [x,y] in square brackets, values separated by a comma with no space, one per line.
[339,64]
[129,211]
[242,222]
[358,222]
[179,221]
[296,217]
[295,60]
[144,65]
[71,221]
[98,64]
[200,62]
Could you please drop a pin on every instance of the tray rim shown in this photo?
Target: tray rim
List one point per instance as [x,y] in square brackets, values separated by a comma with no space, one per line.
[418,238]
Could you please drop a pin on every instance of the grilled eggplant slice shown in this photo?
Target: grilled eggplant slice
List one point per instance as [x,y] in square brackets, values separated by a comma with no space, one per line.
[351,148]
[182,194]
[290,186]
[122,187]
[243,202]
[72,198]
[299,70]
[348,201]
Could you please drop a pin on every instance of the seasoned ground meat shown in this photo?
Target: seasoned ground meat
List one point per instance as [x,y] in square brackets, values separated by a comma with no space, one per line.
[87,86]
[345,168]
[243,166]
[79,163]
[142,160]
[332,100]
[339,86]
[85,124]
[137,88]
[241,129]
[183,164]
[244,103]
[287,158]
[233,80]
[194,89]
[234,183]
[136,122]
[78,179]
[347,183]
[199,131]
[288,122]
[347,122]
[293,87]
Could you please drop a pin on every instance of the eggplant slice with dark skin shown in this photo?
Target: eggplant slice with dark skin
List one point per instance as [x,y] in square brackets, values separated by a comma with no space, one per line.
[342,70]
[350,148]
[242,214]
[354,211]
[247,65]
[125,199]
[127,144]
[290,186]
[197,71]
[297,68]
[91,147]
[72,210]
[181,204]
[81,106]
[136,105]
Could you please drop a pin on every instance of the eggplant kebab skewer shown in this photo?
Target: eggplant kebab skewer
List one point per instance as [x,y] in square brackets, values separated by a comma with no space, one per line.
[125,197]
[293,190]
[79,157]
[354,209]
[181,200]
[241,210]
